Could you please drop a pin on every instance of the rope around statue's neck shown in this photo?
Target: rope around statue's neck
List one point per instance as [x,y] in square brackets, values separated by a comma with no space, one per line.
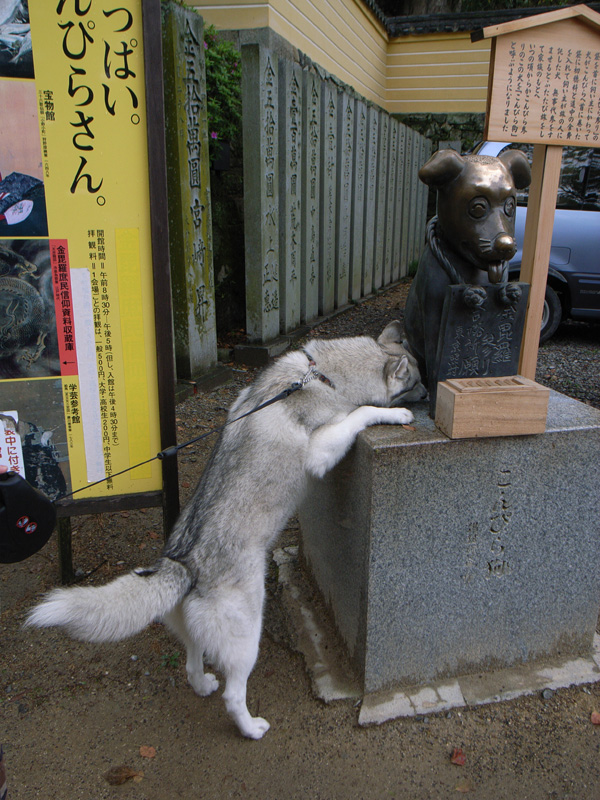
[434,244]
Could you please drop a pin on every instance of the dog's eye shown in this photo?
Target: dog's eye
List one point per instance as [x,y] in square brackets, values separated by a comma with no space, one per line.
[478,207]
[509,207]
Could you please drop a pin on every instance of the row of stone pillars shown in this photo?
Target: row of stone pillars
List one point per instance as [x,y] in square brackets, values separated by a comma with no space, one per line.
[333,208]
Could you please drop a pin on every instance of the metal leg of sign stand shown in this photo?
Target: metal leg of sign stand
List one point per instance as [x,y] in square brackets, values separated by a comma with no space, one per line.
[65,552]
[170,504]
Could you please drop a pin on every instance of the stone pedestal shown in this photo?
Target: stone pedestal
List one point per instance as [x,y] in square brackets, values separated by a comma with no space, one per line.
[440,558]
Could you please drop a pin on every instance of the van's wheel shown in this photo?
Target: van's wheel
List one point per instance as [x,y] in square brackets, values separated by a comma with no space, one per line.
[551,315]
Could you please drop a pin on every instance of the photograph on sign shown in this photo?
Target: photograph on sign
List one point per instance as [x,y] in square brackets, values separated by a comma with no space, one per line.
[28,337]
[34,438]
[22,196]
[16,59]
[78,371]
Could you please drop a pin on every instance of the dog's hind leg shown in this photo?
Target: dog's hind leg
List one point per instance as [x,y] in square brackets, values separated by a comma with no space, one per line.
[235,634]
[237,668]
[228,622]
[202,683]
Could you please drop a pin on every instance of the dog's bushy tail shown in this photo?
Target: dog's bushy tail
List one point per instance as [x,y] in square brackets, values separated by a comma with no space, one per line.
[117,610]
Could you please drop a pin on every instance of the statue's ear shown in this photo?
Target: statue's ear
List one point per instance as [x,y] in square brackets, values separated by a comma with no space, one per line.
[517,164]
[441,168]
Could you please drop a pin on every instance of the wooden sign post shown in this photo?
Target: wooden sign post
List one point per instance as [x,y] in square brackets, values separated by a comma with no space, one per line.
[543,89]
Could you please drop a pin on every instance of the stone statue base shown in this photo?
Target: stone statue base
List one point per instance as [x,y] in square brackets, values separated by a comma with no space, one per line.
[440,558]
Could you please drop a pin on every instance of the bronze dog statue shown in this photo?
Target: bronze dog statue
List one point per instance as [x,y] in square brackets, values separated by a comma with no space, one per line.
[470,241]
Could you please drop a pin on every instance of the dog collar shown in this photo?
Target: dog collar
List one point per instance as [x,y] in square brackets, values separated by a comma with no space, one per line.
[313,373]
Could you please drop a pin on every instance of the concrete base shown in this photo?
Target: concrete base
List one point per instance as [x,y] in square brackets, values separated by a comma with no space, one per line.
[441,558]
[475,690]
[259,355]
[207,381]
[311,630]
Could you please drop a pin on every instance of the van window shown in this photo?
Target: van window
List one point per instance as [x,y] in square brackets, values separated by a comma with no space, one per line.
[579,182]
[573,172]
[592,184]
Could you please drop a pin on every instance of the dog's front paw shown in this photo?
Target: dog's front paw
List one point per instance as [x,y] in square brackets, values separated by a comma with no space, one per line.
[400,416]
[254,728]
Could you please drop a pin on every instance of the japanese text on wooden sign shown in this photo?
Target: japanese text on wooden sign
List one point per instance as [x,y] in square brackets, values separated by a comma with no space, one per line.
[545,86]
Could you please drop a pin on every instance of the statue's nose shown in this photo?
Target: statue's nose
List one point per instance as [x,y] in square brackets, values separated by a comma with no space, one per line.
[505,246]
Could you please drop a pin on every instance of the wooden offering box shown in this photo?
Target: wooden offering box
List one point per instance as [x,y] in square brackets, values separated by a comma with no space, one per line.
[476,407]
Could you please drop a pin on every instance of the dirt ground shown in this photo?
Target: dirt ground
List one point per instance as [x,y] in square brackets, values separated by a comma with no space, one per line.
[73,712]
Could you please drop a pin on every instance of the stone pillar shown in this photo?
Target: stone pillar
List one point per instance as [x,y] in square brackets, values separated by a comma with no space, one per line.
[410,197]
[290,192]
[261,191]
[390,203]
[345,164]
[373,118]
[190,224]
[324,180]
[311,179]
[406,216]
[415,189]
[358,200]
[380,209]
[397,265]
[329,157]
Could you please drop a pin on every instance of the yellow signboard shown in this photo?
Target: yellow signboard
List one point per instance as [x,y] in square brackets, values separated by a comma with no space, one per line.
[78,369]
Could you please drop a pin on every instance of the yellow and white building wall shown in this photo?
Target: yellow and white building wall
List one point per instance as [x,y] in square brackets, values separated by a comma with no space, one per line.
[425,73]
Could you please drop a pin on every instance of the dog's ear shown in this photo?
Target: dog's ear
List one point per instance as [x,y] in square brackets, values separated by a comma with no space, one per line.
[401,368]
[517,164]
[442,167]
[390,338]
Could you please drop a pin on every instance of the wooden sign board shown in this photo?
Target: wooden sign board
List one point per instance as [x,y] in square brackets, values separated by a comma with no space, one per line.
[544,89]
[544,84]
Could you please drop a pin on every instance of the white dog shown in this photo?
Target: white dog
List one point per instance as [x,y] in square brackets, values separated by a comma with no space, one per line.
[208,585]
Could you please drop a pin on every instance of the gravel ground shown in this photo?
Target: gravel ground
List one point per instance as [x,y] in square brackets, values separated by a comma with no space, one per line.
[71,711]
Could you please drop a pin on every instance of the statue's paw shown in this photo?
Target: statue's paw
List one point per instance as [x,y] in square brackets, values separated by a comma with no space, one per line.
[510,294]
[474,296]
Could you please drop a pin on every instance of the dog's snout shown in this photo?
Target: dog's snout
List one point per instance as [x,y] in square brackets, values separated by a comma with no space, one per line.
[505,246]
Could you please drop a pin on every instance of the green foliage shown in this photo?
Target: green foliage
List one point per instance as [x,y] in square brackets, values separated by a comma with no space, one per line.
[170,660]
[223,89]
[412,268]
